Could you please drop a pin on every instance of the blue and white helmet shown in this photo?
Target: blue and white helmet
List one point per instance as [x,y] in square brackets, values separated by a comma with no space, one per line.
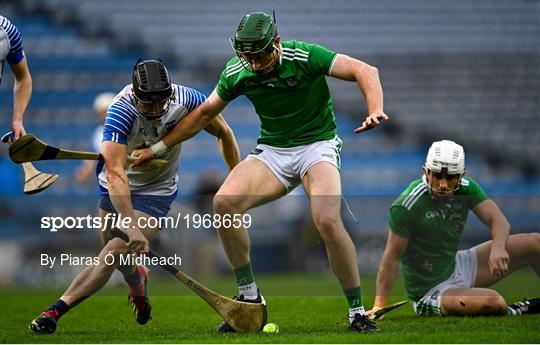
[446,154]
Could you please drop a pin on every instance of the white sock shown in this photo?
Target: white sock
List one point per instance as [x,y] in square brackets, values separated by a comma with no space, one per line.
[352,311]
[249,291]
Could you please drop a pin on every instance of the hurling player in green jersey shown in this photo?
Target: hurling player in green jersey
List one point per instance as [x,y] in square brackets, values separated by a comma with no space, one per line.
[298,144]
[426,223]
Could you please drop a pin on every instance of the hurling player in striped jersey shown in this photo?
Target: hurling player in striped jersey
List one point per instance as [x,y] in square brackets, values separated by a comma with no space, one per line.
[139,116]
[298,144]
[426,223]
[11,50]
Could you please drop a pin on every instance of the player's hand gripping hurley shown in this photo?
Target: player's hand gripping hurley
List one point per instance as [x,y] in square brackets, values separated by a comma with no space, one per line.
[377,313]
[28,148]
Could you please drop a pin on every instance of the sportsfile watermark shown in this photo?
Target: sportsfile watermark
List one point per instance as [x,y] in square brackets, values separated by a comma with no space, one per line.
[179,221]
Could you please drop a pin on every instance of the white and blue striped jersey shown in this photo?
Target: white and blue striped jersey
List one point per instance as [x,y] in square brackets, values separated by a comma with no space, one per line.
[124,124]
[11,44]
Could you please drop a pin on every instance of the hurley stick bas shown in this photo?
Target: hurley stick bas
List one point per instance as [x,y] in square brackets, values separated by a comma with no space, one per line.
[242,316]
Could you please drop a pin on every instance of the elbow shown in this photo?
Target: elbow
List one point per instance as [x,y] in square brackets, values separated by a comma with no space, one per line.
[506,224]
[224,133]
[24,80]
[394,254]
[227,133]
[501,223]
[374,71]
[391,258]
[206,115]
[366,72]
[364,67]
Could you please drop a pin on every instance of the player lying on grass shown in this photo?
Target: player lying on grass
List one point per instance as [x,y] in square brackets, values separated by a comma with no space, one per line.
[286,82]
[426,223]
[141,114]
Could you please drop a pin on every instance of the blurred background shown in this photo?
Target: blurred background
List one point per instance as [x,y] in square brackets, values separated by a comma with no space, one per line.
[468,71]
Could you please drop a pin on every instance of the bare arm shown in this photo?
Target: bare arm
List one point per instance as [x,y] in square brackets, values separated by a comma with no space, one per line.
[395,247]
[367,78]
[22,91]
[491,215]
[118,186]
[188,127]
[228,146]
[195,121]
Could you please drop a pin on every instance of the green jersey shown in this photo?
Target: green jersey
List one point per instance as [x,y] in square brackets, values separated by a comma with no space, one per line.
[293,101]
[433,227]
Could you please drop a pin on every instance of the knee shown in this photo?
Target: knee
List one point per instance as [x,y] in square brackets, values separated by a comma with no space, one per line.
[227,204]
[328,224]
[534,239]
[529,244]
[115,247]
[494,304]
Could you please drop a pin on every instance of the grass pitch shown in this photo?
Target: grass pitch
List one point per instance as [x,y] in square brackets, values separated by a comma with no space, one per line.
[312,312]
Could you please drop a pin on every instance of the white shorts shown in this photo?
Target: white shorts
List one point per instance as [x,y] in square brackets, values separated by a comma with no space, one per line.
[464,276]
[290,164]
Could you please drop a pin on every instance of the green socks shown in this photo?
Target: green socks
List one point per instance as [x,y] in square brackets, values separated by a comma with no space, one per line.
[354,299]
[246,282]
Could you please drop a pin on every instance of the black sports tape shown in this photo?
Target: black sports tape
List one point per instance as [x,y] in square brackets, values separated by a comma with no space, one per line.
[13,152]
[49,153]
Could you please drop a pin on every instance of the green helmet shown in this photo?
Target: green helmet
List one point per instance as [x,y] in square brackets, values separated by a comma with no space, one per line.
[255,33]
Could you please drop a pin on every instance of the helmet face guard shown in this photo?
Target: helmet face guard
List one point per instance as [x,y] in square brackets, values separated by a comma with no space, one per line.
[152,108]
[253,42]
[152,89]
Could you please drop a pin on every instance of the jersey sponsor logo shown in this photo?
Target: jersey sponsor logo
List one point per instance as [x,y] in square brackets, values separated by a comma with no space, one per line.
[256,151]
[269,81]
[436,213]
[431,214]
[453,216]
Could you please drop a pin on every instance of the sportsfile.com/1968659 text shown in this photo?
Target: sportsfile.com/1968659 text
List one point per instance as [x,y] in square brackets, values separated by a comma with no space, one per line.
[180,221]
